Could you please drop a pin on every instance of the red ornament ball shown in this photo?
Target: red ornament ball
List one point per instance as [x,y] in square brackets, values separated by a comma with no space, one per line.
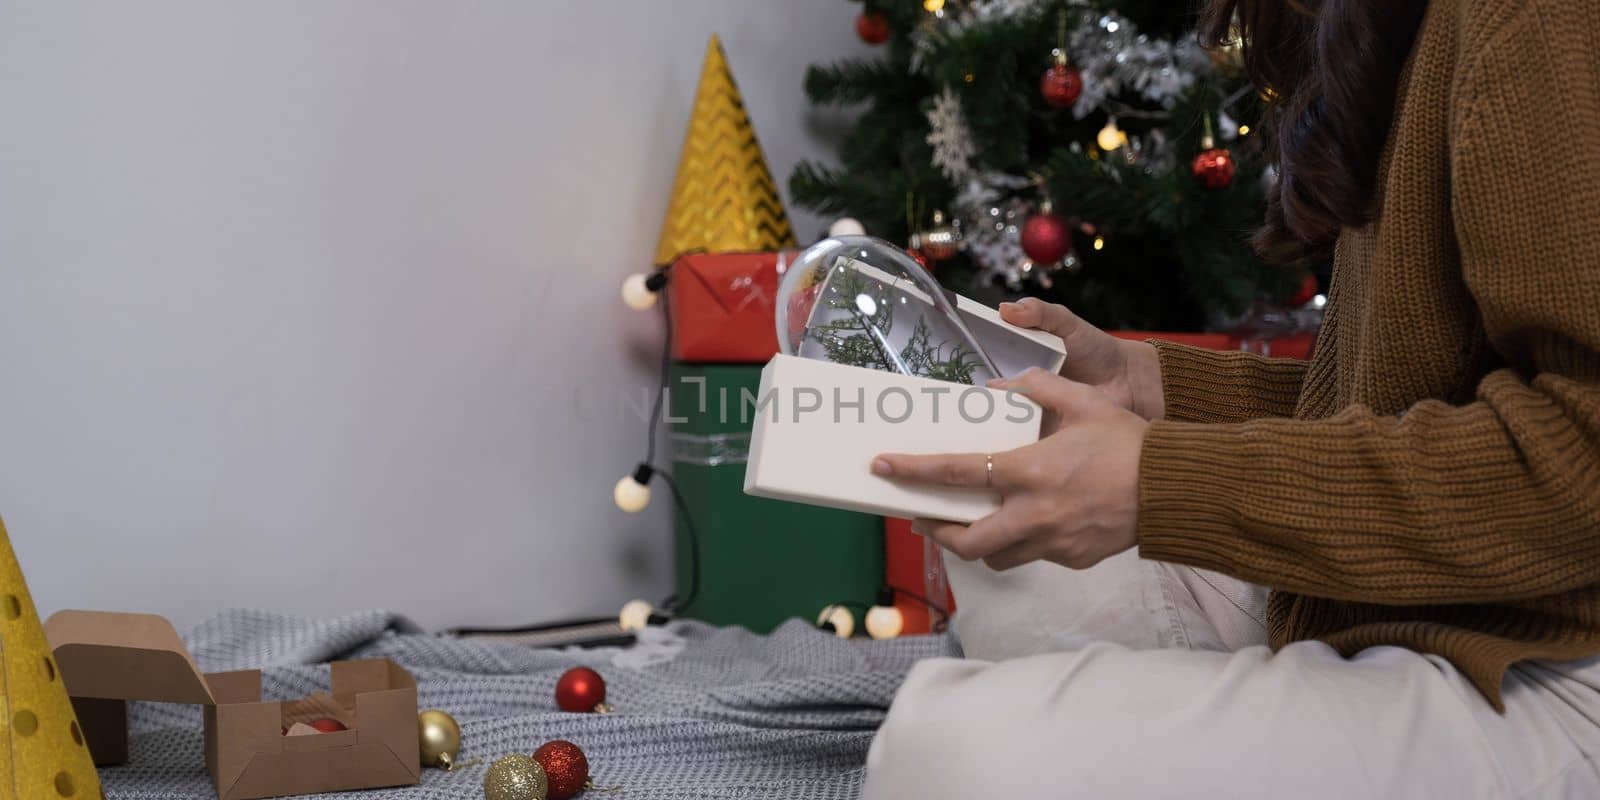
[872,27]
[566,767]
[1046,237]
[326,725]
[1307,291]
[1214,168]
[1061,86]
[580,689]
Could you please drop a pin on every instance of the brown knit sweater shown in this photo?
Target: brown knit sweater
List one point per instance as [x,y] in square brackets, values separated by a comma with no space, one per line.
[1432,478]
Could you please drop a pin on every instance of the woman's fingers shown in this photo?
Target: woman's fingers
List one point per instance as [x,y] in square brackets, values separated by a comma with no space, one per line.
[1023,552]
[1031,312]
[970,470]
[995,533]
[1053,392]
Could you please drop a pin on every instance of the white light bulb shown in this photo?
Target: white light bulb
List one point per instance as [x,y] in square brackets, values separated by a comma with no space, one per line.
[885,622]
[631,496]
[843,622]
[846,226]
[635,615]
[637,294]
[1111,137]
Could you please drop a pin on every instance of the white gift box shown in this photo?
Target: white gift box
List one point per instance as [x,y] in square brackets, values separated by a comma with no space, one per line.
[817,426]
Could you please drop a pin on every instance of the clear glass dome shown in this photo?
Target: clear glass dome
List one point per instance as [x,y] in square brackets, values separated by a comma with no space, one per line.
[864,302]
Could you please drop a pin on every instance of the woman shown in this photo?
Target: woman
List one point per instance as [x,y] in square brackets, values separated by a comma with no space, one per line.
[1422,499]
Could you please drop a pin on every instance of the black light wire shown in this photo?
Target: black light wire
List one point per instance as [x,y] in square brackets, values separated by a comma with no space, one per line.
[657,281]
[944,615]
[672,604]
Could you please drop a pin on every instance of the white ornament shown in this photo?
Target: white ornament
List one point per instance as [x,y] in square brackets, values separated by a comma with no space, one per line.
[1227,127]
[636,293]
[847,226]
[994,240]
[949,137]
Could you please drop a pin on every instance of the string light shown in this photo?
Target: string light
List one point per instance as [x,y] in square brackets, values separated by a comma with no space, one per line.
[884,621]
[838,619]
[635,615]
[639,290]
[1244,130]
[1099,242]
[1111,137]
[933,6]
[631,494]
[846,226]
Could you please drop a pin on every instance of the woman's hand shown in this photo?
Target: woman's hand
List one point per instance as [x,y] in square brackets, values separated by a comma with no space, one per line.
[1072,497]
[1127,372]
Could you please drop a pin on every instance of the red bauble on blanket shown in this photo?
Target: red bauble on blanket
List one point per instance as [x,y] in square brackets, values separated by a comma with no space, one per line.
[581,689]
[566,767]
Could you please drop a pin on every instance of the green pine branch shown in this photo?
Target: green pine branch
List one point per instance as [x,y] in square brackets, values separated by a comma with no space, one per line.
[1175,254]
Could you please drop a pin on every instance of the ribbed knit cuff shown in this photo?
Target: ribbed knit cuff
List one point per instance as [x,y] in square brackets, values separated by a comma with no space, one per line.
[1202,385]
[1188,483]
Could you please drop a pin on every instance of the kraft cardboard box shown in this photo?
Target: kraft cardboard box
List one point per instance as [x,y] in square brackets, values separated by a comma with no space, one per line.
[106,659]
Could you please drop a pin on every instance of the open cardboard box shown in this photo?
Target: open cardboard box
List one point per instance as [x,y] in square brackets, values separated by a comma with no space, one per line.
[106,659]
[817,424]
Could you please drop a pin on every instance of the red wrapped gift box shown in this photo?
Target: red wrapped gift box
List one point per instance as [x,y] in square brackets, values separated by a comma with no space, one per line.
[906,569]
[723,305]
[1294,345]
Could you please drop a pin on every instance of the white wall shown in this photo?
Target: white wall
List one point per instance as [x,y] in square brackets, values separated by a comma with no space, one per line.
[312,306]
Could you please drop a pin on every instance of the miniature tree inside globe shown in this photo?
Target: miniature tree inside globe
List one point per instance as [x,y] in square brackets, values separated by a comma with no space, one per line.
[864,302]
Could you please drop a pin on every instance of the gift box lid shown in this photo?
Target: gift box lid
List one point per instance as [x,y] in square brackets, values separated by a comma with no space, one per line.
[117,656]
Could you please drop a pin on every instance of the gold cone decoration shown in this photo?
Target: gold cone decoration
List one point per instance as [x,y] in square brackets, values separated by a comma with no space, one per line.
[42,754]
[724,199]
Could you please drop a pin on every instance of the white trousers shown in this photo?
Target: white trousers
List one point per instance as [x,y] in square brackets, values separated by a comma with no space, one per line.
[1137,679]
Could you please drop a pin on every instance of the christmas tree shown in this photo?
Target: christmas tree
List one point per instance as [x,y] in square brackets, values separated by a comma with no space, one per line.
[1089,153]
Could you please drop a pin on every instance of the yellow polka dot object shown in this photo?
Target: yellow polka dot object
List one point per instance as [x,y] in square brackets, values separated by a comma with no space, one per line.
[42,754]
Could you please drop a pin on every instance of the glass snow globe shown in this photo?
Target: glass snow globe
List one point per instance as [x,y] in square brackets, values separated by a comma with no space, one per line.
[864,302]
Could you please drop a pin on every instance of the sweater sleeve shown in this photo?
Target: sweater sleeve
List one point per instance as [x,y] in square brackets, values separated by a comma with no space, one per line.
[1492,501]
[1202,385]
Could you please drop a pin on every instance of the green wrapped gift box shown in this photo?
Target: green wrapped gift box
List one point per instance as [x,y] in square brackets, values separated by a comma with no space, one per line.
[761,561]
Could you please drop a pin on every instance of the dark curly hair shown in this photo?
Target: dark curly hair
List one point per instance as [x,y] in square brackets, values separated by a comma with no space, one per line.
[1329,69]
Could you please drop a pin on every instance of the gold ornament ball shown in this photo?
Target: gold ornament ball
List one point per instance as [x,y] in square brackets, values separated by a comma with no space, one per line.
[516,777]
[440,738]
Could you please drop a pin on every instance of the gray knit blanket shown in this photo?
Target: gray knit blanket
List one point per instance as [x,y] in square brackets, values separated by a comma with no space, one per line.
[701,711]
